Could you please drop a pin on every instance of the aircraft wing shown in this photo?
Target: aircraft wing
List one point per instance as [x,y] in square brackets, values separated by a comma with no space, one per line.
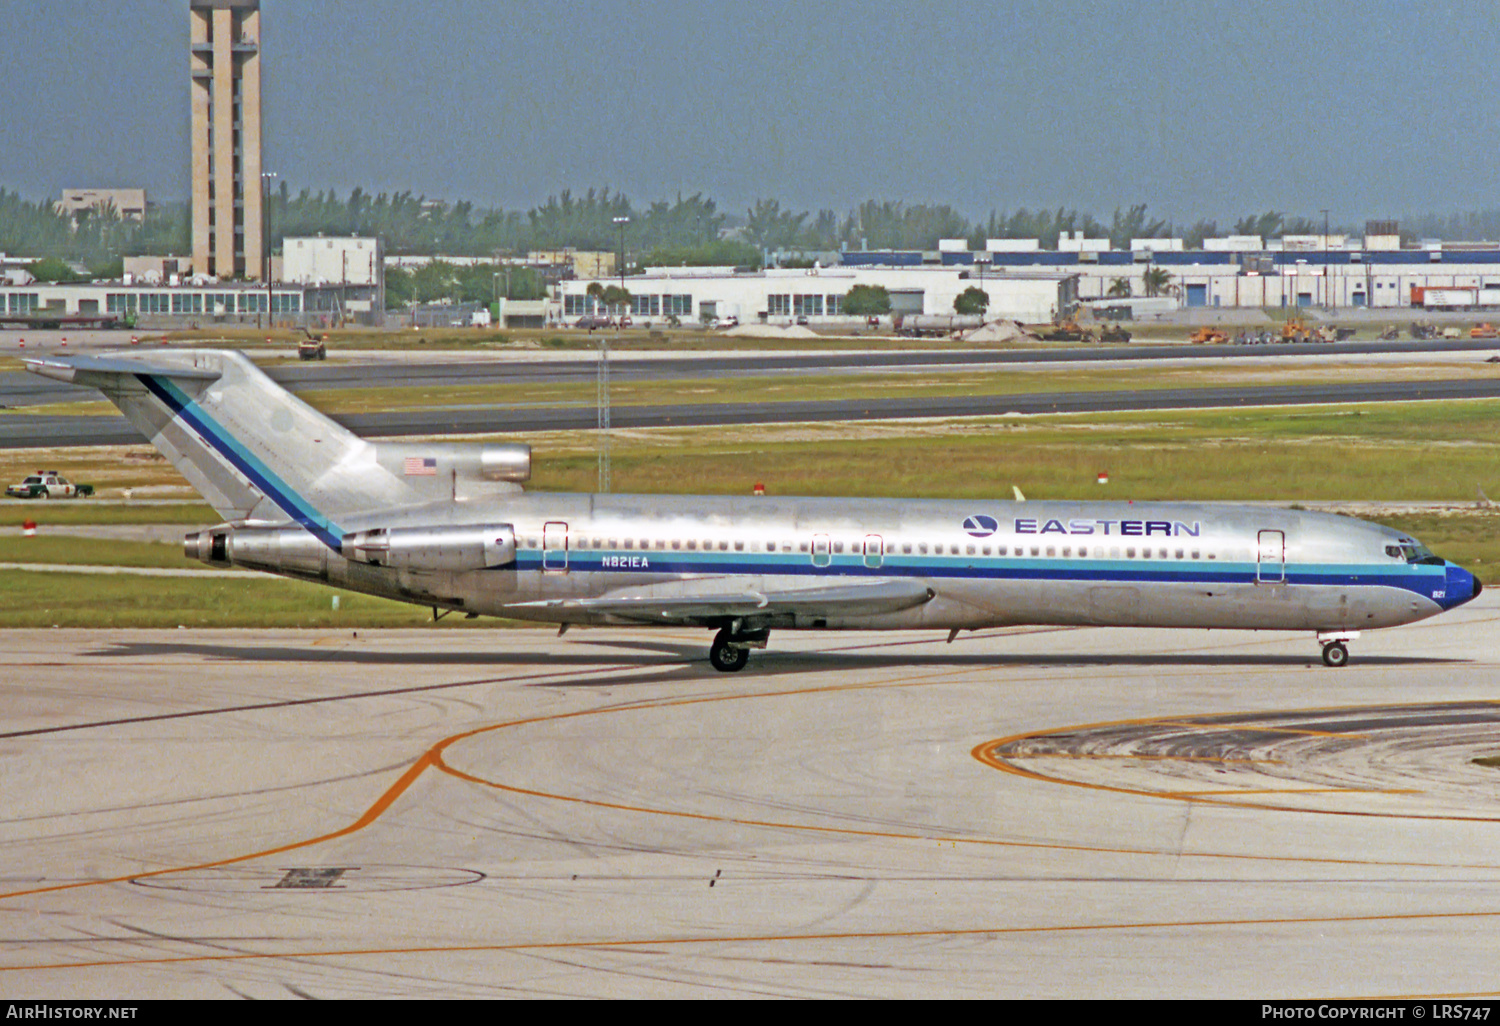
[709,601]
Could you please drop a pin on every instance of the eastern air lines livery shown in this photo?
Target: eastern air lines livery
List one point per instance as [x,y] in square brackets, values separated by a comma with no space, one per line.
[447,525]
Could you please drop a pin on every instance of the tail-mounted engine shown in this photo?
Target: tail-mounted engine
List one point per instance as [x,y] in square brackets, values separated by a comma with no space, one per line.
[433,549]
[280,550]
[292,550]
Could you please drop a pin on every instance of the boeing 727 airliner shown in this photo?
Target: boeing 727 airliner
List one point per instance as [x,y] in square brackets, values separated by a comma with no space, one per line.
[447,525]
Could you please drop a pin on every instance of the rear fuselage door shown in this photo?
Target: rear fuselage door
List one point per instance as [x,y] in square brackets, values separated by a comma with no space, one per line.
[555,546]
[1270,561]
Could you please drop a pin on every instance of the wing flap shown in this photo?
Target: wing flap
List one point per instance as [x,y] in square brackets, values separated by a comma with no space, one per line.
[864,598]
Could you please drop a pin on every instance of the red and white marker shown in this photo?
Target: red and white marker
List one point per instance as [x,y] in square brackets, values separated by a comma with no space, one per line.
[760,489]
[28,529]
[1104,477]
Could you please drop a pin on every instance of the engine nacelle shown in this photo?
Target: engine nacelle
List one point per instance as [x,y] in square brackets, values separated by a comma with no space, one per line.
[276,549]
[508,462]
[434,549]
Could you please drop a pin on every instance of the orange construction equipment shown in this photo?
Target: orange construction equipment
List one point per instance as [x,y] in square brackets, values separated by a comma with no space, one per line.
[1485,330]
[1211,336]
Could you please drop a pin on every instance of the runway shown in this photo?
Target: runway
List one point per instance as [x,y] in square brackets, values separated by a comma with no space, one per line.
[1023,813]
[406,368]
[32,431]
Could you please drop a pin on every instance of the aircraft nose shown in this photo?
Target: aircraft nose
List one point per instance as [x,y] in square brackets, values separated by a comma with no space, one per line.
[1461,587]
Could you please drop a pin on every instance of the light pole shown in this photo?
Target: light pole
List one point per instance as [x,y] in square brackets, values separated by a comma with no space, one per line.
[265,229]
[620,223]
[1327,290]
[982,259]
[603,380]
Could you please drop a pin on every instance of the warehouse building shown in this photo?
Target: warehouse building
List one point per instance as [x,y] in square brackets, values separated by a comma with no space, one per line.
[1240,271]
[815,296]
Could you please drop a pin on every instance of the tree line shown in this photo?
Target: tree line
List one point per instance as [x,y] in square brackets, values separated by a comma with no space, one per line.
[686,230]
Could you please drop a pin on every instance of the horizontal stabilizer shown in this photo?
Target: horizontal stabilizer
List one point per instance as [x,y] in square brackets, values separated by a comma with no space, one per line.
[80,369]
[709,600]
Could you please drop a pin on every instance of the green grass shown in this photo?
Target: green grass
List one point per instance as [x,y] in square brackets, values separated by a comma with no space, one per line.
[88,600]
[1419,452]
[59,550]
[83,511]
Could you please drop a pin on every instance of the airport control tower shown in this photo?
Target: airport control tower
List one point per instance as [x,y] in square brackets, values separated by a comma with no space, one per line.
[226,69]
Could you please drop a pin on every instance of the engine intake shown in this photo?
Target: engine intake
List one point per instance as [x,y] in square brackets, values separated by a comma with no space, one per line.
[458,548]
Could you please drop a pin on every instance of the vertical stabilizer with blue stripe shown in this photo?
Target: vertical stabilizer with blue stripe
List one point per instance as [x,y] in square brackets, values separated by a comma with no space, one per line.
[252,449]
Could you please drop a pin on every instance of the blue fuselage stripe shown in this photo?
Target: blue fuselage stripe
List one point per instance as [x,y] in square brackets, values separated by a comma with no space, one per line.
[1422,583]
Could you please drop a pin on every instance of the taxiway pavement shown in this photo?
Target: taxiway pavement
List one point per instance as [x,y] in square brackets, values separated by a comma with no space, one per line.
[1023,813]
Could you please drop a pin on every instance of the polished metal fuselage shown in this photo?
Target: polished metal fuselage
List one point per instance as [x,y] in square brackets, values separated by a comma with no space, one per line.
[986,563]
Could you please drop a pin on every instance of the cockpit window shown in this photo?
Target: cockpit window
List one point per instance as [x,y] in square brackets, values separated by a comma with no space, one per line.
[1413,552]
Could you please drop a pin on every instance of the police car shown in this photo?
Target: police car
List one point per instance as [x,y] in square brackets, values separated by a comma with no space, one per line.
[48,484]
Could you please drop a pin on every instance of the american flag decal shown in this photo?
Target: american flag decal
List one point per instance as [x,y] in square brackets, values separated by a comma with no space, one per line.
[420,466]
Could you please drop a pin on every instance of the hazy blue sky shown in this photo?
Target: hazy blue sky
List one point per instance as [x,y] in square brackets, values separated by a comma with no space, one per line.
[1197,107]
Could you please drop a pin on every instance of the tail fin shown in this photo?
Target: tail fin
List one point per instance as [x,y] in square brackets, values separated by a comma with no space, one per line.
[256,452]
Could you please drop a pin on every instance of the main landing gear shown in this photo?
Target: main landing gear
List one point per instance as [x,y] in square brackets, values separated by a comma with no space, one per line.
[731,651]
[1335,649]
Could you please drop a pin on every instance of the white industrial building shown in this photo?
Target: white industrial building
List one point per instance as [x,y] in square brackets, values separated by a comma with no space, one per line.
[1243,271]
[323,260]
[815,295]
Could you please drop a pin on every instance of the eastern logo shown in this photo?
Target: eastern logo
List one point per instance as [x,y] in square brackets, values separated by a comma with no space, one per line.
[981,526]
